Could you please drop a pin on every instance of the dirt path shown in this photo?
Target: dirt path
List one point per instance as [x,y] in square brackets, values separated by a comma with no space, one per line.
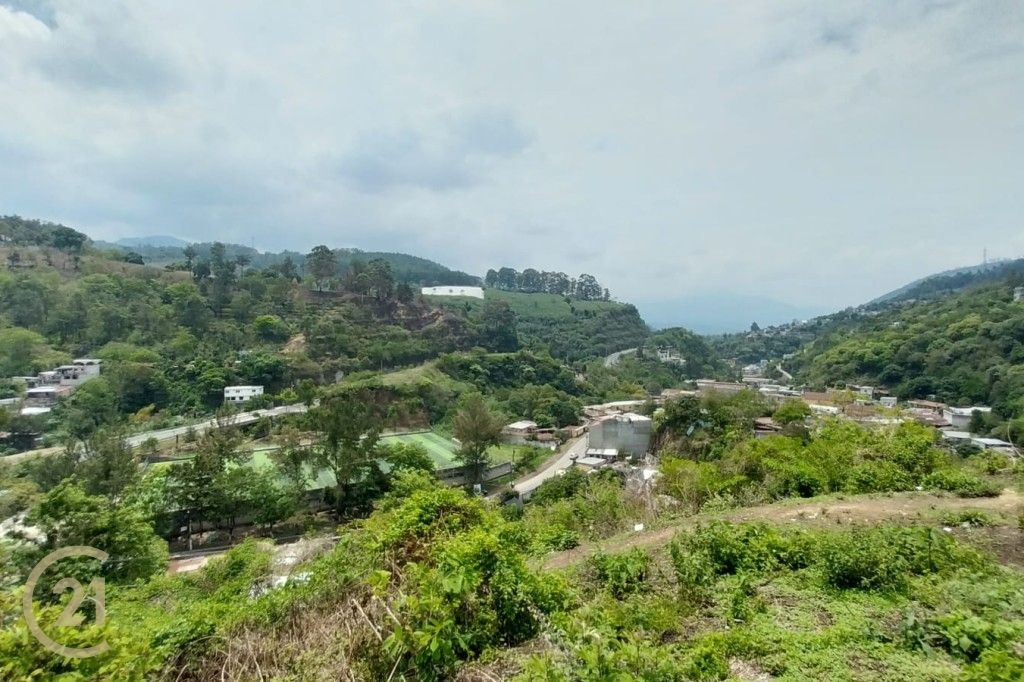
[820,512]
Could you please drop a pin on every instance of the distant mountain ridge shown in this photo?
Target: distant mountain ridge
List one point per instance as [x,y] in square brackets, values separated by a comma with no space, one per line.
[720,313]
[405,267]
[153,240]
[951,281]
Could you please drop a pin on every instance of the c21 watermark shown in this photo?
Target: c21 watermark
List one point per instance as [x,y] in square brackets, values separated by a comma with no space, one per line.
[69,617]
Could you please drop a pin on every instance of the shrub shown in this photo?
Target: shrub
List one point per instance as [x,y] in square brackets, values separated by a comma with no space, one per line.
[744,602]
[706,662]
[571,483]
[961,483]
[964,635]
[878,477]
[556,539]
[599,509]
[755,547]
[694,483]
[996,665]
[884,557]
[694,570]
[622,574]
[968,517]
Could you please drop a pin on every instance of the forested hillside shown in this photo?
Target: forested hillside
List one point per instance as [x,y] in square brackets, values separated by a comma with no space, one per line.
[566,327]
[954,280]
[398,576]
[965,349]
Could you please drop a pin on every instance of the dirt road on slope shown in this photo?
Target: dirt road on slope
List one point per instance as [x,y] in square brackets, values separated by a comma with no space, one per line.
[828,511]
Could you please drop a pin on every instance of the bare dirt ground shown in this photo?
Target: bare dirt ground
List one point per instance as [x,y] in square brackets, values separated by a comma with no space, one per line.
[827,511]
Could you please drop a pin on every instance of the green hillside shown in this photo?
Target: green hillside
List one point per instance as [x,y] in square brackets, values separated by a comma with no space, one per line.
[567,328]
[965,349]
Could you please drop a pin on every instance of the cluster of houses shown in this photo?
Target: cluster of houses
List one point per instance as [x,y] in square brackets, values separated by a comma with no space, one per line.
[617,431]
[44,390]
[869,405]
[614,431]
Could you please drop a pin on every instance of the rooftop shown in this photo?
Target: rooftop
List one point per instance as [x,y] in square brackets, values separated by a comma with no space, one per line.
[968,411]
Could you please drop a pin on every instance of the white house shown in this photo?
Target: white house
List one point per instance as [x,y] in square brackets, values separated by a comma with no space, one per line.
[519,432]
[241,394]
[472,292]
[960,417]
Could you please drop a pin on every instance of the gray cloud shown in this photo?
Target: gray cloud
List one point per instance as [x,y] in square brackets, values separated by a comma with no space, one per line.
[818,153]
[43,10]
[451,153]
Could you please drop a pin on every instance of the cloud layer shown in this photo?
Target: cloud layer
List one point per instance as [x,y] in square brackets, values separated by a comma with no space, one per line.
[818,153]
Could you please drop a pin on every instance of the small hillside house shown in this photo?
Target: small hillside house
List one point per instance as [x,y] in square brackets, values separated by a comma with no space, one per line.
[241,394]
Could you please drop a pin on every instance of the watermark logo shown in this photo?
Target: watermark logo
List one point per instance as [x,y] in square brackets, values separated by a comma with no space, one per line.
[69,617]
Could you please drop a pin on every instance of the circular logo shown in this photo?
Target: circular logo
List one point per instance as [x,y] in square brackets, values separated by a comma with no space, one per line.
[69,616]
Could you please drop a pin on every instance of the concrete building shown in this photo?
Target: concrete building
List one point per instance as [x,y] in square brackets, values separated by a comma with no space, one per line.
[629,433]
[929,405]
[525,432]
[887,401]
[706,385]
[521,428]
[615,407]
[994,444]
[472,292]
[241,394]
[670,355]
[960,417]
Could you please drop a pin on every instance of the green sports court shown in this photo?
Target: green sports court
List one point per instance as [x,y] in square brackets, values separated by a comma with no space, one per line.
[441,449]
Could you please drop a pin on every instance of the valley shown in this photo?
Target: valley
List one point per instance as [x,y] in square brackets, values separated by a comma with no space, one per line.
[377,468]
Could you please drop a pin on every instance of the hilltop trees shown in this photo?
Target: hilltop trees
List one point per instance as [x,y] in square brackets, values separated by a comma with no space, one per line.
[320,263]
[530,281]
[66,239]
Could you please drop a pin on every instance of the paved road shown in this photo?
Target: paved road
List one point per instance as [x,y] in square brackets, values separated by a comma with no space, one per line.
[577,448]
[164,435]
[613,359]
[240,419]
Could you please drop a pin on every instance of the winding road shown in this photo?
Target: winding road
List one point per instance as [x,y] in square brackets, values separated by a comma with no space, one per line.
[164,435]
[577,448]
[613,359]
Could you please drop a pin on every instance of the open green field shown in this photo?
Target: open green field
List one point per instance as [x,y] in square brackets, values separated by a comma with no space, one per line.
[441,449]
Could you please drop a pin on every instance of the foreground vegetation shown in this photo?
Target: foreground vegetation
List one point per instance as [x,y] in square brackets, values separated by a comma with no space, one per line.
[436,584]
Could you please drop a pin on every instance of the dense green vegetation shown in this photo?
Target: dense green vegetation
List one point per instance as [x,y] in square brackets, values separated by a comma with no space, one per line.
[955,280]
[172,339]
[401,578]
[837,457]
[435,582]
[964,349]
[567,328]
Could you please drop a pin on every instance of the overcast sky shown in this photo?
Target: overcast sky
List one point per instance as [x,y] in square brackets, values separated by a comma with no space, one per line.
[818,153]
